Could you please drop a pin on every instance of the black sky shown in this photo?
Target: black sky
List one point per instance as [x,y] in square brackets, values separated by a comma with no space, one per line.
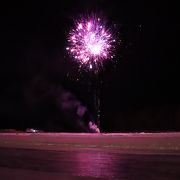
[139,92]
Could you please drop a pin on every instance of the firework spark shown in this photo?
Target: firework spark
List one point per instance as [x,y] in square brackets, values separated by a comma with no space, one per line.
[91,42]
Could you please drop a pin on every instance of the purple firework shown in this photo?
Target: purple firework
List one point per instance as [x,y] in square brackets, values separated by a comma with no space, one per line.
[91,42]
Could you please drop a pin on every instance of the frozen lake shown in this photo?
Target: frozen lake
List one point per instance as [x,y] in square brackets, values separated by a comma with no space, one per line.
[90,156]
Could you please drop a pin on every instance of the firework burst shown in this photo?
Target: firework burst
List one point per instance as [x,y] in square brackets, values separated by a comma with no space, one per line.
[91,42]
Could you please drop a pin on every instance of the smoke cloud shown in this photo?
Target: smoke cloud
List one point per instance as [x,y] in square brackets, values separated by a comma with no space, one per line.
[57,108]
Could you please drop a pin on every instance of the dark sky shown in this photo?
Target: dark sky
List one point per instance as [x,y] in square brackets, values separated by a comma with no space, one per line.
[140,92]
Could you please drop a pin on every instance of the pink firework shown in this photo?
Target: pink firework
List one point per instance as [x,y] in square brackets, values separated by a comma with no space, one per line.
[91,42]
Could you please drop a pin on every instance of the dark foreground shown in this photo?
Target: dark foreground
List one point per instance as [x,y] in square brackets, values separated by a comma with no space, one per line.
[90,156]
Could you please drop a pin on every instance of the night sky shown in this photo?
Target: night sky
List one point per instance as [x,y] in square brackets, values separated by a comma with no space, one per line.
[139,91]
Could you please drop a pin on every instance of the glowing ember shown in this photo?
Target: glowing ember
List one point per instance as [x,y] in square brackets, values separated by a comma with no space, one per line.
[90,42]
